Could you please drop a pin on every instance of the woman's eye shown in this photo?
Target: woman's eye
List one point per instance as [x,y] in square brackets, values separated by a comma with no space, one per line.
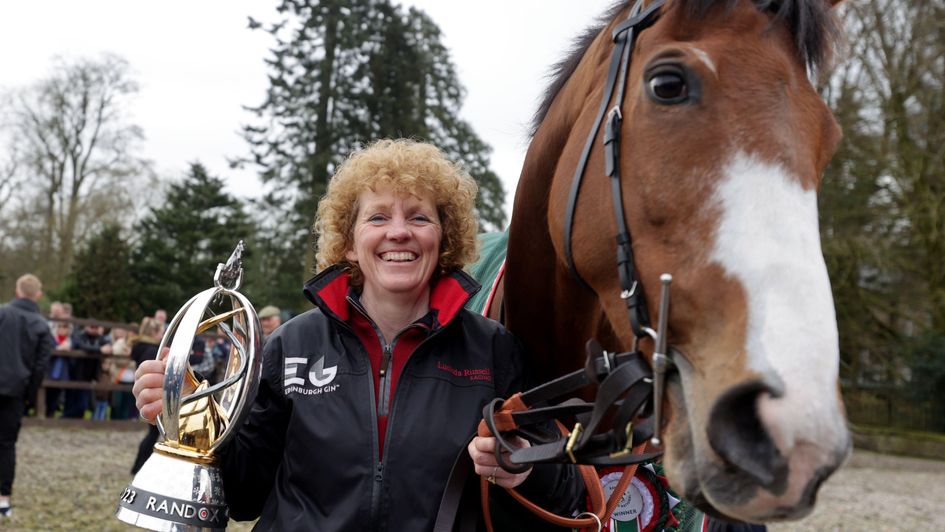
[420,218]
[375,218]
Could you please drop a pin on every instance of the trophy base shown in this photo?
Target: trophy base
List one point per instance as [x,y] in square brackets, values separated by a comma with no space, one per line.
[174,495]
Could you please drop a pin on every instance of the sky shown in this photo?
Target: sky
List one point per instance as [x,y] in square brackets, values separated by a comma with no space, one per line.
[198,65]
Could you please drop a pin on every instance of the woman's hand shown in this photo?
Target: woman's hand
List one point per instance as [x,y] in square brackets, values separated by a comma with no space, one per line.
[482,452]
[149,387]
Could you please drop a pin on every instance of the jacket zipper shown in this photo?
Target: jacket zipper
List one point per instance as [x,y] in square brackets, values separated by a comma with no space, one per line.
[378,461]
[379,468]
[387,362]
[384,389]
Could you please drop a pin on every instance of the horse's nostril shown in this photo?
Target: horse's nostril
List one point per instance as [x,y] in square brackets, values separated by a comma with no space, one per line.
[739,437]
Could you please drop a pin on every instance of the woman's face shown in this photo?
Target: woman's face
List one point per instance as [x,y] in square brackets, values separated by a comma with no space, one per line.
[396,242]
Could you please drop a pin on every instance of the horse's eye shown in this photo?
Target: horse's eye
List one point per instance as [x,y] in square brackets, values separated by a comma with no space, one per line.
[668,87]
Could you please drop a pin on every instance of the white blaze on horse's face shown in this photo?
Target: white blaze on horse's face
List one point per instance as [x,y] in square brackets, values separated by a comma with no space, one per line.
[768,241]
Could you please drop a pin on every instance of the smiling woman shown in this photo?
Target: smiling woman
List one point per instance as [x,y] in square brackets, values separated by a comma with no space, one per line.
[368,402]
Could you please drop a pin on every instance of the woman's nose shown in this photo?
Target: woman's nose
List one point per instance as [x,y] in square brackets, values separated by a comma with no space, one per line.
[397,229]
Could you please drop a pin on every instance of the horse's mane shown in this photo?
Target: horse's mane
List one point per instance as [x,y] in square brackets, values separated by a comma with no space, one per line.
[810,22]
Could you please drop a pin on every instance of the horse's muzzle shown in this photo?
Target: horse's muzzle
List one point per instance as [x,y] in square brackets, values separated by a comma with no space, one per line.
[767,468]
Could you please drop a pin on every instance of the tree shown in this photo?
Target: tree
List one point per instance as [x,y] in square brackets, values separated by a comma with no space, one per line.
[272,276]
[182,241]
[346,72]
[883,198]
[73,161]
[100,283]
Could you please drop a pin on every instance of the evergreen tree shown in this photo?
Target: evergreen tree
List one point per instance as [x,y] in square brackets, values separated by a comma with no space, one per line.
[272,276]
[100,283]
[182,241]
[342,74]
[883,197]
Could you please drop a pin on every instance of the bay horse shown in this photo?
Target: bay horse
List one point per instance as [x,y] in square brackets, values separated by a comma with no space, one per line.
[723,140]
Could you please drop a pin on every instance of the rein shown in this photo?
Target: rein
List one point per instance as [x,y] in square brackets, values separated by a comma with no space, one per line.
[627,389]
[527,414]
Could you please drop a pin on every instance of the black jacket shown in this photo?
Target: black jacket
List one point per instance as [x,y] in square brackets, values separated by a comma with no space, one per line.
[86,369]
[25,344]
[143,350]
[307,456]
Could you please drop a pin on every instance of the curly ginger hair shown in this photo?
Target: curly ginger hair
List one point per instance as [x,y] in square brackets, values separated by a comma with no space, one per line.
[408,167]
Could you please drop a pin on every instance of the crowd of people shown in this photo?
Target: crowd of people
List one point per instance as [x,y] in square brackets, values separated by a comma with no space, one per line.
[110,359]
[41,350]
[115,353]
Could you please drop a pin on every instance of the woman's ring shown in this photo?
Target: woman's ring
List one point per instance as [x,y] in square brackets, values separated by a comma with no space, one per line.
[491,478]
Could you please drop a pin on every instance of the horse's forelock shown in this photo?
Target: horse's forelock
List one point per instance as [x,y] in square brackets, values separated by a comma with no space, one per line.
[810,22]
[814,29]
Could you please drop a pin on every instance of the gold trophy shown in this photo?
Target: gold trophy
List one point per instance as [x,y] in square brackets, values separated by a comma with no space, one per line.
[180,488]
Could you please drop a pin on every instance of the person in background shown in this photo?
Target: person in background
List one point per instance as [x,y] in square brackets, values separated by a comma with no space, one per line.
[367,401]
[58,366]
[201,359]
[121,371]
[59,311]
[56,312]
[91,340]
[145,347]
[221,355]
[270,318]
[160,315]
[25,344]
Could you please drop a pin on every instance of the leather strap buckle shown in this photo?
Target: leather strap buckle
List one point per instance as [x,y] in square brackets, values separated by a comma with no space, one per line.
[572,439]
[628,445]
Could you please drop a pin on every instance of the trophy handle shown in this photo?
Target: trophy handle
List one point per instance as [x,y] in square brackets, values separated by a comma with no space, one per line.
[180,333]
[238,386]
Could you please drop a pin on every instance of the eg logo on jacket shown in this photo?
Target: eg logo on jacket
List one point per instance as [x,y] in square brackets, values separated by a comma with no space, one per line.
[319,377]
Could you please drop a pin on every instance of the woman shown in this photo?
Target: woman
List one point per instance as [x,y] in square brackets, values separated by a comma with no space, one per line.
[367,401]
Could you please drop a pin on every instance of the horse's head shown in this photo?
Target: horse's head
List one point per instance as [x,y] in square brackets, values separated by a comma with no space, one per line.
[723,143]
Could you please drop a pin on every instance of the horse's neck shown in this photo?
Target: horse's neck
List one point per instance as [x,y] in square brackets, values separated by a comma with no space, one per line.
[537,282]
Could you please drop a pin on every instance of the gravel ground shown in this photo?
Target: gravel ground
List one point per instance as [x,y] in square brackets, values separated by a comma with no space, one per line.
[879,492]
[70,479]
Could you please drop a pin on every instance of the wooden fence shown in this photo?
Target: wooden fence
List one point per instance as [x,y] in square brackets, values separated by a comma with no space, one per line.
[103,383]
[894,407]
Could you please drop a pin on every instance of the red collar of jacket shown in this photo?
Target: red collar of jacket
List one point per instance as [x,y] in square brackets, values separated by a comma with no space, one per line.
[329,291]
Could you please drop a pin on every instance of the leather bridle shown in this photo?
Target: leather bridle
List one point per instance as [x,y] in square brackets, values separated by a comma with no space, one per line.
[631,289]
[627,389]
[625,36]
